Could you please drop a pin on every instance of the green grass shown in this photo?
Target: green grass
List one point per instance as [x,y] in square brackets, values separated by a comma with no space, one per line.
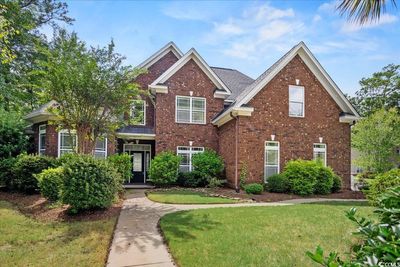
[186,197]
[258,236]
[27,242]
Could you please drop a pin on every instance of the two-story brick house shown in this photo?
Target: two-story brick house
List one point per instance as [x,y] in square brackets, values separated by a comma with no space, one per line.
[293,110]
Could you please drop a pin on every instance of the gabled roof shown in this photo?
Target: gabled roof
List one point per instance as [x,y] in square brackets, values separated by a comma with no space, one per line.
[309,59]
[41,114]
[170,47]
[234,79]
[192,54]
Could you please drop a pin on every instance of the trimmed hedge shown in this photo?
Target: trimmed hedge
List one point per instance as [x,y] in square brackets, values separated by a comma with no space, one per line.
[189,179]
[255,189]
[381,183]
[51,183]
[207,165]
[324,180]
[123,164]
[301,175]
[277,183]
[164,169]
[337,184]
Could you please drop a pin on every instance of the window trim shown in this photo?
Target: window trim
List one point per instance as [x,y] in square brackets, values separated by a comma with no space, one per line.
[41,131]
[190,152]
[59,140]
[325,150]
[303,106]
[190,109]
[101,151]
[144,111]
[277,148]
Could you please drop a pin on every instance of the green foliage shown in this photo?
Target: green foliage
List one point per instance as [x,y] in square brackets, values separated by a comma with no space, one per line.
[123,164]
[381,183]
[255,189]
[190,179]
[380,244]
[337,184]
[24,170]
[6,172]
[277,183]
[13,140]
[324,180]
[243,175]
[377,137]
[214,183]
[164,169]
[50,183]
[89,183]
[207,165]
[301,175]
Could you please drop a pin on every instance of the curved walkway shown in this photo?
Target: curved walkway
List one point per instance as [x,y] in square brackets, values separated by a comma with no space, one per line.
[137,240]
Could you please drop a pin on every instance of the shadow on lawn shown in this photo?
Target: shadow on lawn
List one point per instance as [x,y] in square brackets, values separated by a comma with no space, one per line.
[342,203]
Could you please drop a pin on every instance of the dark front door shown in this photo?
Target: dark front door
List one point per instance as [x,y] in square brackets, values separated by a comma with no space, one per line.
[138,169]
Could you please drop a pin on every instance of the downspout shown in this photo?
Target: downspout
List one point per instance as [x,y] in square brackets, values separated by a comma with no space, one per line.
[237,188]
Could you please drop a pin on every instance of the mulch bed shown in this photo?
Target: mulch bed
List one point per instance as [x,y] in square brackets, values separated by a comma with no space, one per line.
[271,197]
[41,209]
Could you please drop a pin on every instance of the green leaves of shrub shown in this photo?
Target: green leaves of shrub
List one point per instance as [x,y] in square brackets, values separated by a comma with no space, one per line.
[164,169]
[254,188]
[277,183]
[123,164]
[380,183]
[51,183]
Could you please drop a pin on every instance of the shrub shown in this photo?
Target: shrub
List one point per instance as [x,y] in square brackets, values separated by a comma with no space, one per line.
[89,183]
[51,182]
[207,165]
[164,169]
[25,168]
[214,182]
[190,179]
[123,164]
[243,175]
[13,140]
[277,183]
[337,184]
[381,183]
[254,188]
[301,175]
[324,180]
[6,173]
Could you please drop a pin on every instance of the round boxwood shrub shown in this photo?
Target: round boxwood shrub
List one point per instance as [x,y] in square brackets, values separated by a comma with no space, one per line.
[255,189]
[337,184]
[164,169]
[324,180]
[51,183]
[277,183]
[207,165]
[123,164]
[25,168]
[301,175]
[89,183]
[381,183]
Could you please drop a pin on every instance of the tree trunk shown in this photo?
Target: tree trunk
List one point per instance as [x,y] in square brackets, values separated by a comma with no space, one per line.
[84,134]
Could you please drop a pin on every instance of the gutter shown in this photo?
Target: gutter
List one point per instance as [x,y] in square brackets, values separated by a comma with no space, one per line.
[237,188]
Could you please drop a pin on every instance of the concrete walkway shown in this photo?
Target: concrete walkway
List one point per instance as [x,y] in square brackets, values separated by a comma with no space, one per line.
[137,240]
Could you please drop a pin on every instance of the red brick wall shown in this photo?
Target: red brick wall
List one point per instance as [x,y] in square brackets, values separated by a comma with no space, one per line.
[51,139]
[169,134]
[296,135]
[227,149]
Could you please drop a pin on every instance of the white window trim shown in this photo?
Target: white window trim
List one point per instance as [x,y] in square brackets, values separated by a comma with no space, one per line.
[59,140]
[101,151]
[265,157]
[190,152]
[42,131]
[304,93]
[190,109]
[144,112]
[318,149]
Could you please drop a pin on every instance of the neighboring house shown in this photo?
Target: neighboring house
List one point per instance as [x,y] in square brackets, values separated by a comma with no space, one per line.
[293,110]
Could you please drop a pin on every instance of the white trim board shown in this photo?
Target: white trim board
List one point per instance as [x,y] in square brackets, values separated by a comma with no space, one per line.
[170,47]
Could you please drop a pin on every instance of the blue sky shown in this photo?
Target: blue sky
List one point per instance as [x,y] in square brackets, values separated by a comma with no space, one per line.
[246,35]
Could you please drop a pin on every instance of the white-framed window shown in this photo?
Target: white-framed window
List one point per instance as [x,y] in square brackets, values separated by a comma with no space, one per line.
[42,139]
[138,112]
[186,152]
[296,101]
[319,152]
[271,159]
[190,109]
[100,150]
[66,142]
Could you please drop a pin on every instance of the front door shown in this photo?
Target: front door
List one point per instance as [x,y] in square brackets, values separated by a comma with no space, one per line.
[138,166]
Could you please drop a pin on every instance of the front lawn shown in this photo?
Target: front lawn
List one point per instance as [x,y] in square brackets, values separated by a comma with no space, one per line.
[28,242]
[258,236]
[186,197]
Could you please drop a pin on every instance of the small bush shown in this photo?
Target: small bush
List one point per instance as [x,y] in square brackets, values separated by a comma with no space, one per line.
[123,164]
[89,183]
[337,184]
[6,173]
[277,183]
[51,182]
[301,175]
[381,183]
[207,165]
[25,168]
[164,169]
[190,179]
[324,180]
[254,188]
[214,183]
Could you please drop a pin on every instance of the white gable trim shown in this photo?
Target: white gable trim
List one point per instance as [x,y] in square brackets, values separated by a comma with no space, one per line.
[192,54]
[170,47]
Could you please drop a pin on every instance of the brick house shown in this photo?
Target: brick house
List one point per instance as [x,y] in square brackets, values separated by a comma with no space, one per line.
[293,110]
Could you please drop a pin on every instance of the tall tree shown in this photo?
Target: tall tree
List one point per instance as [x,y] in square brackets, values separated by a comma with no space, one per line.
[364,11]
[91,86]
[382,90]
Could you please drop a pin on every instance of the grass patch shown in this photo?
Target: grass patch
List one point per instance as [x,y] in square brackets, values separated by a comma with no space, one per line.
[186,197]
[258,236]
[27,242]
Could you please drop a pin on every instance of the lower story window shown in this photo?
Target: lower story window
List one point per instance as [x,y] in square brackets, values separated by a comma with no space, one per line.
[100,150]
[186,153]
[320,153]
[66,142]
[42,139]
[271,159]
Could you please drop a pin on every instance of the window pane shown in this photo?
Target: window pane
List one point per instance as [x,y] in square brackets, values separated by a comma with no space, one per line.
[272,144]
[184,168]
[183,116]
[42,141]
[100,154]
[68,141]
[295,109]
[198,116]
[101,144]
[320,156]
[296,94]
[272,157]
[271,170]
[198,104]
[185,158]
[137,111]
[183,103]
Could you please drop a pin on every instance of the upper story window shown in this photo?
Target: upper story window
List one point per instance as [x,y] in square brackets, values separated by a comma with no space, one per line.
[271,159]
[66,142]
[100,150]
[190,109]
[42,140]
[186,153]
[138,112]
[319,152]
[296,101]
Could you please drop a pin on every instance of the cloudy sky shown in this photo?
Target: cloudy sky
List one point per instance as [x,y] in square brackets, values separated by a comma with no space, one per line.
[246,35]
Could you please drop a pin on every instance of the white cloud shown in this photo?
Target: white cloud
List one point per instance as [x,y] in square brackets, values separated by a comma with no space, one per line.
[316,18]
[186,12]
[349,27]
[228,28]
[329,7]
